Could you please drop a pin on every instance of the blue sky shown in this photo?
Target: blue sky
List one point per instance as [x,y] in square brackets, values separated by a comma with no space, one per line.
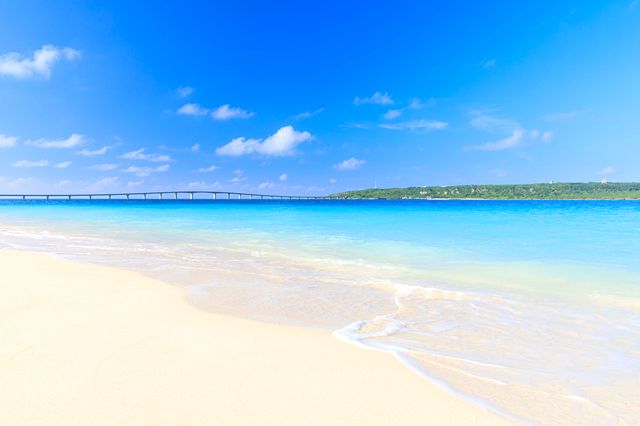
[316,97]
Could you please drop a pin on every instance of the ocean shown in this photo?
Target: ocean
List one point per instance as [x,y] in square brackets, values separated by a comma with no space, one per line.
[528,308]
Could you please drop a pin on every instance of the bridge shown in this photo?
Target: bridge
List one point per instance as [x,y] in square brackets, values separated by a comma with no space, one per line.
[163,195]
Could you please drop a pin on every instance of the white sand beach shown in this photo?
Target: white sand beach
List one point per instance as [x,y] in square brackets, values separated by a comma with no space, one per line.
[83,344]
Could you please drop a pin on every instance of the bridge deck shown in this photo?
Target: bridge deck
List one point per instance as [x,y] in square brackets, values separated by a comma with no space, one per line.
[161,195]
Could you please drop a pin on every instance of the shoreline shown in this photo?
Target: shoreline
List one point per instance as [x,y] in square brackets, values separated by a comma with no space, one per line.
[91,344]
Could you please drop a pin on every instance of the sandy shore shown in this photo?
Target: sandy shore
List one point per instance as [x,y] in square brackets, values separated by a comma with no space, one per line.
[82,344]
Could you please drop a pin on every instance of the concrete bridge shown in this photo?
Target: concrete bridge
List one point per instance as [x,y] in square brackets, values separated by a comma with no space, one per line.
[162,195]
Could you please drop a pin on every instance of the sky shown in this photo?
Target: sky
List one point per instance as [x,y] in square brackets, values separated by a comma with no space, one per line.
[315,97]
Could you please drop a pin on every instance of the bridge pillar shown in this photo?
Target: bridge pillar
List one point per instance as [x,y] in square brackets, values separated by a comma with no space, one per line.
[91,197]
[47,197]
[127,196]
[228,195]
[191,195]
[215,195]
[145,196]
[161,195]
[109,196]
[69,196]
[175,195]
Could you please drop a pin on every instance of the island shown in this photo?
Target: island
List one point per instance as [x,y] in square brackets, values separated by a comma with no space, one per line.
[537,191]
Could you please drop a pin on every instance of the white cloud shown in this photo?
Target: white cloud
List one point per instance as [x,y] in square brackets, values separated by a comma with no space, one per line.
[105,167]
[223,112]
[184,91]
[416,125]
[350,164]
[227,112]
[516,139]
[547,136]
[607,170]
[94,152]
[30,164]
[392,113]
[71,142]
[207,169]
[63,183]
[333,180]
[282,143]
[195,147]
[40,64]
[307,114]
[266,185]
[8,141]
[140,155]
[146,171]
[192,109]
[377,98]
[134,184]
[283,177]
[62,165]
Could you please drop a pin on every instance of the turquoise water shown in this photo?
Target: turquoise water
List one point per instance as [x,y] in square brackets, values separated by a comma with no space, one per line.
[529,308]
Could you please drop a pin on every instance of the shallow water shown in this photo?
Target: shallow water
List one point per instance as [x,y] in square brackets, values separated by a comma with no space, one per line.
[529,308]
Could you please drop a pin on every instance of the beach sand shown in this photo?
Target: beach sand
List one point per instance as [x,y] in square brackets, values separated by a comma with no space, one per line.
[83,344]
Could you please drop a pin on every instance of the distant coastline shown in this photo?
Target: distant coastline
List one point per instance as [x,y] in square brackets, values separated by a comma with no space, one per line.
[538,191]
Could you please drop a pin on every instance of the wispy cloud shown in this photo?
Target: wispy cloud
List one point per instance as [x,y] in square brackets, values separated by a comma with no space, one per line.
[486,120]
[207,169]
[195,147]
[146,171]
[350,164]
[282,143]
[561,116]
[8,141]
[203,186]
[184,91]
[415,125]
[30,164]
[140,154]
[266,185]
[108,181]
[39,64]
[283,177]
[378,98]
[417,103]
[514,140]
[104,167]
[516,134]
[71,142]
[307,114]
[488,64]
[62,165]
[392,114]
[608,170]
[227,112]
[93,153]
